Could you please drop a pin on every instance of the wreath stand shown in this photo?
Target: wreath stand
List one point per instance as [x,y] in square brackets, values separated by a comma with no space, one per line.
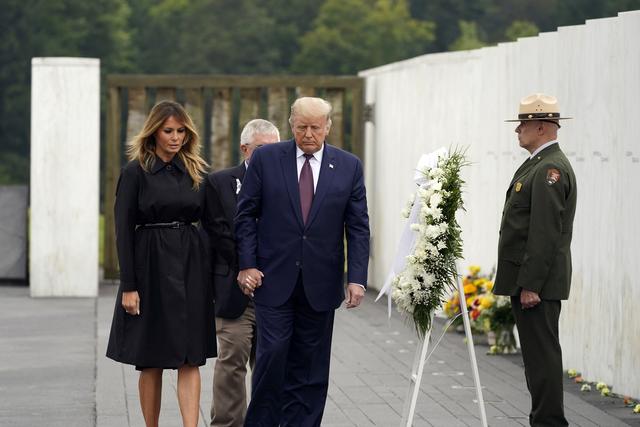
[421,358]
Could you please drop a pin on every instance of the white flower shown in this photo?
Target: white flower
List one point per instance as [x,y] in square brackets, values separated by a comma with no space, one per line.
[436,173]
[435,199]
[426,268]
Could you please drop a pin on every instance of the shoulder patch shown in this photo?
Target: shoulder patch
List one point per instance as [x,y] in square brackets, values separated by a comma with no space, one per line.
[553,176]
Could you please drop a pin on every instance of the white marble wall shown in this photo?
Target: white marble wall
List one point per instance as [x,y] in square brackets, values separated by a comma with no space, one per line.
[463,98]
[65,165]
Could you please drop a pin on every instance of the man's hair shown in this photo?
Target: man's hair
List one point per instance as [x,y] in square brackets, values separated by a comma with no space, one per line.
[257,127]
[309,106]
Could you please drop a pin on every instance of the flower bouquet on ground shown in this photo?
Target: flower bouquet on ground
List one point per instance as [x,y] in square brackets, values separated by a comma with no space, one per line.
[476,285]
[492,313]
[429,271]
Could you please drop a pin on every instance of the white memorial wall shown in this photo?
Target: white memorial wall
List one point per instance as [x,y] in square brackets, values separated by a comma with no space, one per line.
[462,99]
[65,170]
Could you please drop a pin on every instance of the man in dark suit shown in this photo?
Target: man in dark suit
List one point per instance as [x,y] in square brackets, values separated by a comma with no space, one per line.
[534,254]
[235,315]
[299,200]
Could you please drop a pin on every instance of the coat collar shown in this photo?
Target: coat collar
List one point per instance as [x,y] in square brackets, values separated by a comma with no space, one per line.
[238,171]
[546,151]
[531,162]
[158,164]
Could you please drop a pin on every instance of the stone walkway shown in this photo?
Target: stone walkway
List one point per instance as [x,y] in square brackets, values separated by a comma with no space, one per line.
[53,373]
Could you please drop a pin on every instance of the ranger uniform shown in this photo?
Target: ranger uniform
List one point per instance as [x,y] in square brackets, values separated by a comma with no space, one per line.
[534,254]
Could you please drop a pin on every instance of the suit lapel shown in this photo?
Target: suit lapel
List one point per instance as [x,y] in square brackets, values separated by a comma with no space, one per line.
[523,168]
[327,173]
[290,175]
[237,173]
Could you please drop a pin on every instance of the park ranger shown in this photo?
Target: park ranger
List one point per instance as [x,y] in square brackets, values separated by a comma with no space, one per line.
[534,255]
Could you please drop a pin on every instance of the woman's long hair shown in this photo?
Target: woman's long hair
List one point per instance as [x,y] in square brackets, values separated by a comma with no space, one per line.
[143,146]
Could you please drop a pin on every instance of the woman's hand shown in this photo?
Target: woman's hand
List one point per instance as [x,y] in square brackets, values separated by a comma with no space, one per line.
[131,302]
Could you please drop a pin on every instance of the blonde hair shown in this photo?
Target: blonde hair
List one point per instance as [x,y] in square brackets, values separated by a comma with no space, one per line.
[143,146]
[312,107]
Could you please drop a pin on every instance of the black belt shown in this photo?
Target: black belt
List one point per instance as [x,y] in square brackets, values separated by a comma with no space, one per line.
[174,224]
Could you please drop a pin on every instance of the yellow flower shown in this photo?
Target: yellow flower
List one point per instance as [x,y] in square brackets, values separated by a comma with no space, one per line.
[637,409]
[572,373]
[470,289]
[486,301]
[605,391]
[488,286]
[474,269]
[470,301]
[601,385]
[479,282]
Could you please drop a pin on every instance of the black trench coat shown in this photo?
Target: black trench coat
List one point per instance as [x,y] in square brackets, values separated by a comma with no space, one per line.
[169,267]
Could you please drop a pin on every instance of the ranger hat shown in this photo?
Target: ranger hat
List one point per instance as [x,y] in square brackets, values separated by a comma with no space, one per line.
[539,106]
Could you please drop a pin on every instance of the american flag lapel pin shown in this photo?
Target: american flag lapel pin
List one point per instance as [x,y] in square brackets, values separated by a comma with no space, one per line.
[331,165]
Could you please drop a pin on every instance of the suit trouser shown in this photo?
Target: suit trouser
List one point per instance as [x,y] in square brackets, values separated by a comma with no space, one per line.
[291,377]
[236,347]
[542,356]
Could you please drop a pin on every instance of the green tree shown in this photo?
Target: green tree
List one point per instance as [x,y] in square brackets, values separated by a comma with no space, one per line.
[469,38]
[205,36]
[292,19]
[351,35]
[49,28]
[519,29]
[573,12]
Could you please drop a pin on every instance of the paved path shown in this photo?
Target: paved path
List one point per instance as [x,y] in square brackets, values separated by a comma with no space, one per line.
[53,373]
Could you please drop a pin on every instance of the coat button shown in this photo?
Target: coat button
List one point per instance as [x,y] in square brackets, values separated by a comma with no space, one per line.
[304,237]
[298,263]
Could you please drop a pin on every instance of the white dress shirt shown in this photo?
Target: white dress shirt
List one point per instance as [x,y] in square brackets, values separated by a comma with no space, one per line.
[314,162]
[542,147]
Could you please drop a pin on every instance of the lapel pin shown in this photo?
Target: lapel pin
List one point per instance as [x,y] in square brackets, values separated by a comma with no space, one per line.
[331,165]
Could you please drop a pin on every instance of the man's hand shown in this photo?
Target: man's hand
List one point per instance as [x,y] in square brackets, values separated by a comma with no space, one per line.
[529,299]
[249,280]
[354,296]
[131,302]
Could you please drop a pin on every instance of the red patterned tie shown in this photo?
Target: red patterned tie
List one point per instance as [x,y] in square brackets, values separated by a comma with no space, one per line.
[305,184]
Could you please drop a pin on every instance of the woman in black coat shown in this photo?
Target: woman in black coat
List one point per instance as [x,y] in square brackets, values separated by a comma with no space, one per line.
[164,316]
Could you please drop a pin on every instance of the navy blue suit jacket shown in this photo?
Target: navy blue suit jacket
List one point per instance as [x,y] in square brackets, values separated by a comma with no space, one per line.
[271,236]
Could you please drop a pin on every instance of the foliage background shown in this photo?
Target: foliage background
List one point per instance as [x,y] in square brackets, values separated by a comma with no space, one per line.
[250,37]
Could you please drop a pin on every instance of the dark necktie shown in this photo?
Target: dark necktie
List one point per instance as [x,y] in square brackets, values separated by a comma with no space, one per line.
[305,184]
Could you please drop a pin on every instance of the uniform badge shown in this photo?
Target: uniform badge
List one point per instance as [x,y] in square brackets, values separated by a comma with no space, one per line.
[553,176]
[518,186]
